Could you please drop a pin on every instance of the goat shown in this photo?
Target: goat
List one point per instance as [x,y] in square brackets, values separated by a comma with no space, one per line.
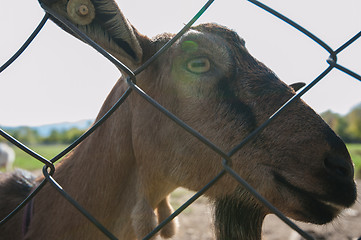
[7,157]
[124,172]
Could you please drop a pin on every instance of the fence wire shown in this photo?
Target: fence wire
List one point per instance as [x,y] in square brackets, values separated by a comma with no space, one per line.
[49,168]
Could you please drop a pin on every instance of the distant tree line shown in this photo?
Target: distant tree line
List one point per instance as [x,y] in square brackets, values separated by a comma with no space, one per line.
[28,135]
[348,127]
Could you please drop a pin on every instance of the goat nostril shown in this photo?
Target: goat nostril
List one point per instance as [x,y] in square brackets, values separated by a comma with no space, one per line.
[338,167]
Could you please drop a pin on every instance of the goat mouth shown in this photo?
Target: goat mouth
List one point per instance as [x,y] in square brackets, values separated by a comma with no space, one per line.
[317,211]
[333,205]
[315,208]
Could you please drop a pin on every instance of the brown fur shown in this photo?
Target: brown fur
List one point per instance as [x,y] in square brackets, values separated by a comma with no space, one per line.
[15,187]
[124,172]
[236,219]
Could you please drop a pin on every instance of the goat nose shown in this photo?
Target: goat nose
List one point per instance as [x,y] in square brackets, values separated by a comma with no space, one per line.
[339,167]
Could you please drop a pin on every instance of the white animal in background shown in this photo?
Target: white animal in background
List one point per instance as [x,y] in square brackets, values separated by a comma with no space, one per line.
[7,157]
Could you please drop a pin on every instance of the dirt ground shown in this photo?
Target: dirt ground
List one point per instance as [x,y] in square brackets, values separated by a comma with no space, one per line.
[195,223]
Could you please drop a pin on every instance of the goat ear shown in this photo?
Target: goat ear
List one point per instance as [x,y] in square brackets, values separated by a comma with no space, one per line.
[104,23]
[297,86]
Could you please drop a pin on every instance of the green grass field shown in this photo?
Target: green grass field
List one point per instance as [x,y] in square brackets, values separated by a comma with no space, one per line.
[24,161]
[355,151]
[49,151]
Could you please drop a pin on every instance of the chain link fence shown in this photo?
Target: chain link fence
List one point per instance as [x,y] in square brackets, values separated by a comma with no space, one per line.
[49,168]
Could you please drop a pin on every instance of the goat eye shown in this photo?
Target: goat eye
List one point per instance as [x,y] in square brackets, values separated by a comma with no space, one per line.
[199,65]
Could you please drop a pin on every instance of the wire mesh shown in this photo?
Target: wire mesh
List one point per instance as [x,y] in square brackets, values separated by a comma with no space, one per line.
[49,168]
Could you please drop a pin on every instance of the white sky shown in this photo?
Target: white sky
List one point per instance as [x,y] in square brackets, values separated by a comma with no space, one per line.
[59,78]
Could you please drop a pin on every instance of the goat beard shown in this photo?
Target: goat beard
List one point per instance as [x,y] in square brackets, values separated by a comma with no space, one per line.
[238,217]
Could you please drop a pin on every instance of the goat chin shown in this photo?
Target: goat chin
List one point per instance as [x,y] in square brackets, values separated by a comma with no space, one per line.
[238,218]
